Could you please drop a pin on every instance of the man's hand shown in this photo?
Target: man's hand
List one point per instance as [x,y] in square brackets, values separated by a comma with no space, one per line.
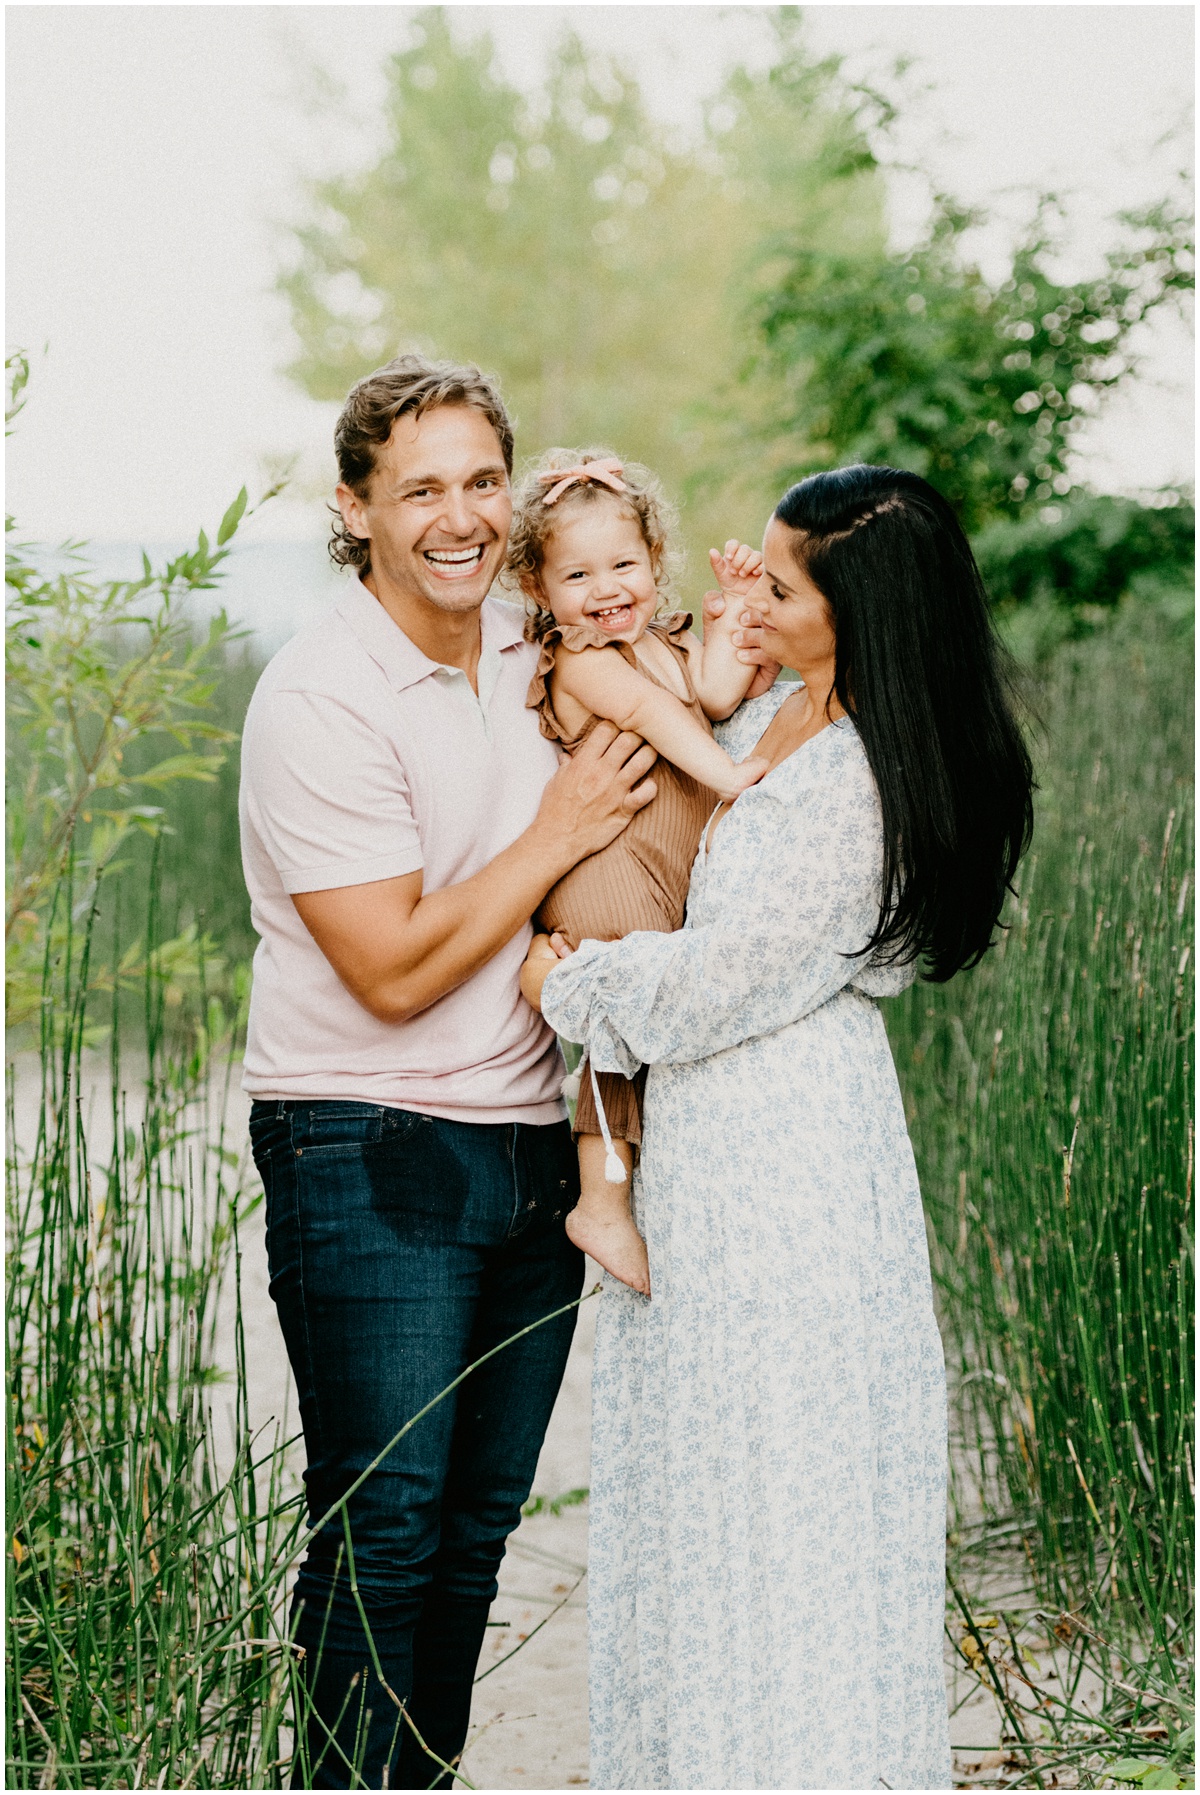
[748,640]
[397,949]
[592,797]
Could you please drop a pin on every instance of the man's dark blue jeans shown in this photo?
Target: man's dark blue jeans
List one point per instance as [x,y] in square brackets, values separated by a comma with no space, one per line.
[402,1248]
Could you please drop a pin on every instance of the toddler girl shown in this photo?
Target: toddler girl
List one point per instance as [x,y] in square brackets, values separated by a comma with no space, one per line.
[588,550]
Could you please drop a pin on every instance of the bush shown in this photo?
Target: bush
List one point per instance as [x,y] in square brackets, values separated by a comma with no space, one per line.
[1088,551]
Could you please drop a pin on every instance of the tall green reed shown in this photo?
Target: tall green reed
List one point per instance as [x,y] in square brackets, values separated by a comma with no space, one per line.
[1049,1096]
[147,1622]
[131,1547]
[133,1657]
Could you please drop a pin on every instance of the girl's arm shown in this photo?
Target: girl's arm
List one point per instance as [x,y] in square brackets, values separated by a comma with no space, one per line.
[747,623]
[720,678]
[611,688]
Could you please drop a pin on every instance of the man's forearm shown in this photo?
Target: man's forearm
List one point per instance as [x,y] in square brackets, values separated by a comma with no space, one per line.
[455,931]
[397,957]
[398,949]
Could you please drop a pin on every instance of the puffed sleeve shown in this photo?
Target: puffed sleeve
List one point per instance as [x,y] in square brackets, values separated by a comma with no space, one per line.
[817,847]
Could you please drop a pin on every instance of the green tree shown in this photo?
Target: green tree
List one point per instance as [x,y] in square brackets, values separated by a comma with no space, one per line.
[602,274]
[918,361]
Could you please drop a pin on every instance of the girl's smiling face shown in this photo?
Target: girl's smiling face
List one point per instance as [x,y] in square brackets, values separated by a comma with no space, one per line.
[597,571]
[797,624]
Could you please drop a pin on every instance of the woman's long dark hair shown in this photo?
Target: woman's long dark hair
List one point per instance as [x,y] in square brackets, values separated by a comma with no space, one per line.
[922,675]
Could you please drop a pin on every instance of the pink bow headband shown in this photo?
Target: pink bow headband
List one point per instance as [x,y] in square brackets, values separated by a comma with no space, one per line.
[608,473]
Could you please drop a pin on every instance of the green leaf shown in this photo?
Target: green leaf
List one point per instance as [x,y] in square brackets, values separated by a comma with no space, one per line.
[1160,1778]
[554,1505]
[183,766]
[232,518]
[1132,1770]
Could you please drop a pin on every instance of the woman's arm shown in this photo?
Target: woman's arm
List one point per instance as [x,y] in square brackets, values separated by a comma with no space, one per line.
[668,999]
[610,687]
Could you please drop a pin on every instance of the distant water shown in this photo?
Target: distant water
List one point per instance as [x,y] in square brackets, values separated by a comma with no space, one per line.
[270,588]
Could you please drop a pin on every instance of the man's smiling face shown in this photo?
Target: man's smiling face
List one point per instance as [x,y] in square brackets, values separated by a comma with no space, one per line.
[438,510]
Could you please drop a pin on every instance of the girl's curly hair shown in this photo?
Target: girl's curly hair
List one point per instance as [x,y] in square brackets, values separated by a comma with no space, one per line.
[533,524]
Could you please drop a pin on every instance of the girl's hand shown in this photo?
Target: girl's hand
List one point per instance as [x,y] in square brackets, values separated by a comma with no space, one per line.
[743,776]
[748,641]
[545,951]
[738,570]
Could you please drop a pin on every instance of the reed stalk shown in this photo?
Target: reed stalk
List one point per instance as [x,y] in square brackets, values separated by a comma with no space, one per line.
[1050,1100]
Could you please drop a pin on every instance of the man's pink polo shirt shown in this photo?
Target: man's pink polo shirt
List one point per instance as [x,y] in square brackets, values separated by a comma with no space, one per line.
[363,760]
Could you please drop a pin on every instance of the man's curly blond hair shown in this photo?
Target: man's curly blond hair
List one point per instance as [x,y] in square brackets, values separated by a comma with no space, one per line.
[534,521]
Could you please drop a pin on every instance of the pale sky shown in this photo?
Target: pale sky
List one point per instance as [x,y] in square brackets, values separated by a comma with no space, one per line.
[154,156]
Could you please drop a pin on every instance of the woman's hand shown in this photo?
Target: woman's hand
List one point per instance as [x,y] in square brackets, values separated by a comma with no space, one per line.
[545,951]
[738,570]
[748,641]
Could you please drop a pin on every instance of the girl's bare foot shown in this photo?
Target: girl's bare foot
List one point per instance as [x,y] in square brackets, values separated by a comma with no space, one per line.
[601,1223]
[613,1241]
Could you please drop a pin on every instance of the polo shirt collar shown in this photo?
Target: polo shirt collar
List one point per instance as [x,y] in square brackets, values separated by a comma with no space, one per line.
[501,626]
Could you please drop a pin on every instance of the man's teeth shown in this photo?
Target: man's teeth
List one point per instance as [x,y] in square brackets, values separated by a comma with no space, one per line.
[455,557]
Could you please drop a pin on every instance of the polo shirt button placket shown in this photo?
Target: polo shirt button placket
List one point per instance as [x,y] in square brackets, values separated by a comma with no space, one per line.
[456,676]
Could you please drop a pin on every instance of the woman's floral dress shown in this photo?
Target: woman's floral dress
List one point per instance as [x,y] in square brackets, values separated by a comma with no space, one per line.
[769,1437]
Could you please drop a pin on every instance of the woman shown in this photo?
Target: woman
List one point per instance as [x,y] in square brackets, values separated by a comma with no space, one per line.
[768,1494]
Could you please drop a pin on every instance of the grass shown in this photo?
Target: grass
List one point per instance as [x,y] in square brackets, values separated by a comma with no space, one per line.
[139,1652]
[1049,1098]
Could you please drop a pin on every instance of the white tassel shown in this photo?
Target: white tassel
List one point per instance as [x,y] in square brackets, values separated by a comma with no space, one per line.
[569,1088]
[614,1171]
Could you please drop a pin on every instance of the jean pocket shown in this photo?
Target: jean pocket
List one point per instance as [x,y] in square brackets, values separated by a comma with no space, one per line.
[340,1128]
[269,1132]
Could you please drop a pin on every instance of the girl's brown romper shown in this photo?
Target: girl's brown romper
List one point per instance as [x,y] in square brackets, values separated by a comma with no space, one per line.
[639,881]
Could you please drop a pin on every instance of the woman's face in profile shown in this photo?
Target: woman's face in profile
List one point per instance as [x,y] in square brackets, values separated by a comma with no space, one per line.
[797,625]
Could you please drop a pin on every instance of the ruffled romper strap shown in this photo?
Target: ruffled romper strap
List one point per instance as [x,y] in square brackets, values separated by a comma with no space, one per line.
[575,636]
[538,696]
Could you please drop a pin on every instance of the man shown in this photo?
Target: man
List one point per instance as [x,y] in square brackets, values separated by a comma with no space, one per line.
[402,818]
